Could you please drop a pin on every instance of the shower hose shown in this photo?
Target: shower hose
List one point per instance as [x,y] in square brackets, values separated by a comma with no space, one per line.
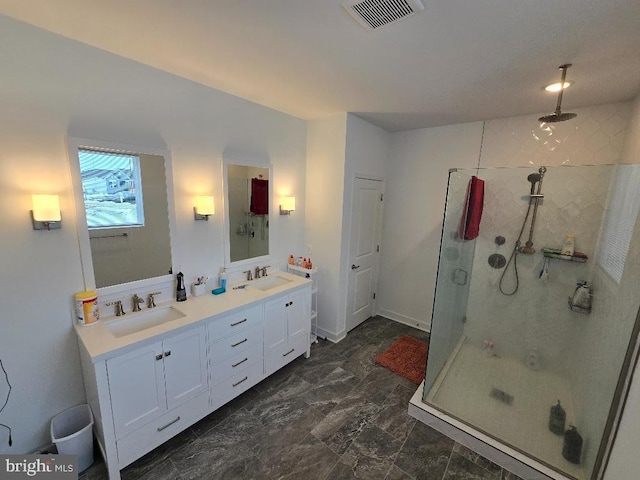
[513,257]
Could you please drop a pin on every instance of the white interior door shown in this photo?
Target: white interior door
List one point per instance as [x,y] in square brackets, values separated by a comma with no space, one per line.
[366,219]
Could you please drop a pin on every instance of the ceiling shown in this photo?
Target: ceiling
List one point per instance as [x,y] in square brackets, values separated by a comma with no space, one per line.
[457,61]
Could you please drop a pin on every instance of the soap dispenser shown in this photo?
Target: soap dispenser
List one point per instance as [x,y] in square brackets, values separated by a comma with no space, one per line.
[572,448]
[181,291]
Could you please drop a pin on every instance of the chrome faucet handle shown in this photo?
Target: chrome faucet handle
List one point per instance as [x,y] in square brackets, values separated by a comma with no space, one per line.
[249,275]
[151,299]
[264,270]
[118,305]
[136,302]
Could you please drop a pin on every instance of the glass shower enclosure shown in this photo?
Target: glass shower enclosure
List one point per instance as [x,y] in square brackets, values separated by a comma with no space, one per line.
[514,353]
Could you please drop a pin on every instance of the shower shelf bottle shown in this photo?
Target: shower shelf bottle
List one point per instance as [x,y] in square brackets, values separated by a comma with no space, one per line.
[568,247]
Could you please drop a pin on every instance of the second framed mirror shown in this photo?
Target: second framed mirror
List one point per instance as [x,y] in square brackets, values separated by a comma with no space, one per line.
[248,194]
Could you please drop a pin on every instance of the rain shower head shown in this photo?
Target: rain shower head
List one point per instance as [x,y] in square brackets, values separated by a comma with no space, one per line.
[558,116]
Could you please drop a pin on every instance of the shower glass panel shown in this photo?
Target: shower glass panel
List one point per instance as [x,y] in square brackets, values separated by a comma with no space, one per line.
[499,362]
[454,275]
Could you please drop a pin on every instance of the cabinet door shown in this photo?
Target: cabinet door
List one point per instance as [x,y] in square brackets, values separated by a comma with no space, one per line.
[136,386]
[298,314]
[185,364]
[275,323]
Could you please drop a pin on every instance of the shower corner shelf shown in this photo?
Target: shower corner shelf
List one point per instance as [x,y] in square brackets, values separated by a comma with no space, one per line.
[555,253]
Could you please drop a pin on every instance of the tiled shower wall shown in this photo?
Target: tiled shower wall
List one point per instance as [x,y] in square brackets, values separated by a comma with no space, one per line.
[585,349]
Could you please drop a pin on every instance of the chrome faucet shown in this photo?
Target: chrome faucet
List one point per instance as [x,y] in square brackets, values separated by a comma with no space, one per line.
[136,302]
[257,274]
[151,299]
[119,309]
[249,275]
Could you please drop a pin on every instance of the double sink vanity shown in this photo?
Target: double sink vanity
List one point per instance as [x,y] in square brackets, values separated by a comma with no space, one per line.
[153,370]
[151,374]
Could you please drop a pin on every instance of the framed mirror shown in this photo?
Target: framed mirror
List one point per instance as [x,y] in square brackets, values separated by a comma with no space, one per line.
[247,187]
[125,216]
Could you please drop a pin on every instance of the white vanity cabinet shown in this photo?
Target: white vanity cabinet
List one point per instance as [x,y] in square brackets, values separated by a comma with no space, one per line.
[147,382]
[286,328]
[143,392]
[235,351]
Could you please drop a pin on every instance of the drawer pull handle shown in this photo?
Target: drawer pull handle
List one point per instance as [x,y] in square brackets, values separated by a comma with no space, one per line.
[243,380]
[240,362]
[167,353]
[238,323]
[159,356]
[168,424]
[241,341]
[289,352]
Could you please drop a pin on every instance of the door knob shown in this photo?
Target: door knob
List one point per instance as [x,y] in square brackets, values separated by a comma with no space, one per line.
[355,267]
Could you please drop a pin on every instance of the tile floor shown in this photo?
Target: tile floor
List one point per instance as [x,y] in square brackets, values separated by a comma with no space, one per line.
[334,416]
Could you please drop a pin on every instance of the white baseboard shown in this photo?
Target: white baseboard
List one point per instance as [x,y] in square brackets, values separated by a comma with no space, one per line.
[405,320]
[331,336]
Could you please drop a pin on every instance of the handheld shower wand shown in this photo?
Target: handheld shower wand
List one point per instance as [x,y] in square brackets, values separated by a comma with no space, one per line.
[535,198]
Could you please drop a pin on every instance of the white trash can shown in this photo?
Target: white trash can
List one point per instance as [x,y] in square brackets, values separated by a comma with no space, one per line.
[72,433]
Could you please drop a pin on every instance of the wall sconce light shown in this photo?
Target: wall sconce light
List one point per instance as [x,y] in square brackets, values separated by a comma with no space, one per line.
[204,207]
[287,205]
[46,212]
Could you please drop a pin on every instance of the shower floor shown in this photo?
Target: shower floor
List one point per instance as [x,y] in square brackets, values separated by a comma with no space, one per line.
[464,390]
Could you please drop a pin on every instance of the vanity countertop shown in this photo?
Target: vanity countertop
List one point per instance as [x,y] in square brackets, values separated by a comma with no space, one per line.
[101,344]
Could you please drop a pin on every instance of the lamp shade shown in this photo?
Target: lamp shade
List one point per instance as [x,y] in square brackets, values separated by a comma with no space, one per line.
[205,205]
[288,203]
[46,208]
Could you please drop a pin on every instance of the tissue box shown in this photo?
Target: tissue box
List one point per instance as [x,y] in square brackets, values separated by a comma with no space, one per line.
[198,289]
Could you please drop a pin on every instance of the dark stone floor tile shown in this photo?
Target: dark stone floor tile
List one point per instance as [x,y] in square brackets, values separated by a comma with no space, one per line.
[241,469]
[425,453]
[478,459]
[460,468]
[327,394]
[97,471]
[372,453]
[163,471]
[362,362]
[151,460]
[396,474]
[287,423]
[207,423]
[377,385]
[316,369]
[309,459]
[375,326]
[344,423]
[393,417]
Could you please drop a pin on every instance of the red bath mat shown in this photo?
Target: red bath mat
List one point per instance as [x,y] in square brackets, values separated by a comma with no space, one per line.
[407,357]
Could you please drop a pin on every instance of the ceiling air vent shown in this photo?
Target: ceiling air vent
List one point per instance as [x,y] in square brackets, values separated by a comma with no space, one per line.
[373,14]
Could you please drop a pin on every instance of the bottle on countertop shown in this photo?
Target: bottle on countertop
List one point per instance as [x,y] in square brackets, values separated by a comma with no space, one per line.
[291,260]
[223,278]
[181,291]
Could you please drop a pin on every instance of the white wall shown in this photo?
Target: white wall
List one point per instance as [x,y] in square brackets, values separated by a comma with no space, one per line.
[416,186]
[326,150]
[367,153]
[53,87]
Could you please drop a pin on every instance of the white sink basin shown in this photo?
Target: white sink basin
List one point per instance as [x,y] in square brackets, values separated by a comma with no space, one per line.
[136,322]
[269,283]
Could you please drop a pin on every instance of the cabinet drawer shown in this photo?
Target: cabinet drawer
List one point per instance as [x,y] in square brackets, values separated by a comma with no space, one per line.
[280,356]
[234,322]
[158,431]
[237,363]
[233,386]
[236,343]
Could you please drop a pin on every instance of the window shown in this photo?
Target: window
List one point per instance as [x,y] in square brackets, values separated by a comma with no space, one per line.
[620,220]
[112,189]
